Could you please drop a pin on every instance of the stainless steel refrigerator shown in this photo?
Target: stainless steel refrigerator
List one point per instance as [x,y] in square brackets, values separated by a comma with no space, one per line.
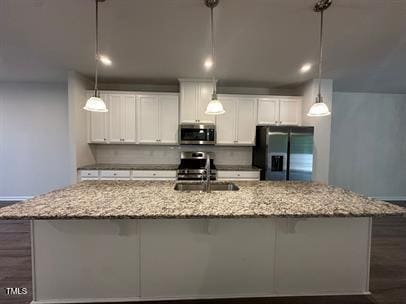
[284,153]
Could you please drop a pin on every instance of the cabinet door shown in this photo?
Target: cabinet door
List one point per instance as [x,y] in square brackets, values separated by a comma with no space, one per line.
[148,122]
[98,124]
[115,118]
[245,130]
[188,99]
[290,111]
[128,118]
[168,119]
[204,91]
[225,123]
[268,111]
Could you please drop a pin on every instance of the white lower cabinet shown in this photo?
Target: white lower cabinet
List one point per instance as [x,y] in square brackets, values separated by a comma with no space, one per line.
[206,258]
[154,175]
[169,175]
[115,174]
[238,175]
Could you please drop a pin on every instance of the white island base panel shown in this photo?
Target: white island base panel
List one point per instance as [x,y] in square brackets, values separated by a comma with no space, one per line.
[129,260]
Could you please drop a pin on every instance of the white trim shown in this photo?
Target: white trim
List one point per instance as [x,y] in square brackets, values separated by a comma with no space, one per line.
[389,198]
[237,296]
[14,198]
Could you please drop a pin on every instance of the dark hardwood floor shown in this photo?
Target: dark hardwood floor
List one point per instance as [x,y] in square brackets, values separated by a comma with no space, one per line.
[388,267]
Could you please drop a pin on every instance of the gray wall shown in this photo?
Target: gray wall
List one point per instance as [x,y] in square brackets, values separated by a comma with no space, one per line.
[34,155]
[368,144]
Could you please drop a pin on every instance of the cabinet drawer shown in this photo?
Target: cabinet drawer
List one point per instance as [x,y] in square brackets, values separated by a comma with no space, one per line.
[154,174]
[89,173]
[115,173]
[241,175]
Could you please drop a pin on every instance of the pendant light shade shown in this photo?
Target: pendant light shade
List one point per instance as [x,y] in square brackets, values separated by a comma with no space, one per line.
[95,103]
[214,107]
[319,108]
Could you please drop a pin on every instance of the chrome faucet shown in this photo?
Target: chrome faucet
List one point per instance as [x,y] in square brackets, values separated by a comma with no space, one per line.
[208,174]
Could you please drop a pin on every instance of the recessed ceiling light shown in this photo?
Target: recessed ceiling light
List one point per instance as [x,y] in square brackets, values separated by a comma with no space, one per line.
[305,68]
[105,60]
[208,63]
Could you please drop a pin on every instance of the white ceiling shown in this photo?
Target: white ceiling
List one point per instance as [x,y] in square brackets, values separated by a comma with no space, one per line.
[259,42]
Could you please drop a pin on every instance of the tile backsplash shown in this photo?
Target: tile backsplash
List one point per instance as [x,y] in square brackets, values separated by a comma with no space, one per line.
[148,154]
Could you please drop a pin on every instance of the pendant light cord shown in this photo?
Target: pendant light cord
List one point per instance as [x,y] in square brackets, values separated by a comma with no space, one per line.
[320,54]
[96,91]
[213,55]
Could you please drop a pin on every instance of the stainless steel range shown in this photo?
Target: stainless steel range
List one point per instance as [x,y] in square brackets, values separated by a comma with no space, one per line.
[193,166]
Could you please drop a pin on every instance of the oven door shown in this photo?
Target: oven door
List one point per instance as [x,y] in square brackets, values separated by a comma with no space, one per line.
[197,134]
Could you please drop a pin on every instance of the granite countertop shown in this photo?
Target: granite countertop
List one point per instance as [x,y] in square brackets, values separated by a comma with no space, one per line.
[237,168]
[128,167]
[155,199]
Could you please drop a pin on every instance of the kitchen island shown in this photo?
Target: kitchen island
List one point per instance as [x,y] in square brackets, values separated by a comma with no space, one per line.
[134,240]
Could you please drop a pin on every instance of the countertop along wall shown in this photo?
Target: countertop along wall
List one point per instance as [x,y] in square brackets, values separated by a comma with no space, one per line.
[368,144]
[34,146]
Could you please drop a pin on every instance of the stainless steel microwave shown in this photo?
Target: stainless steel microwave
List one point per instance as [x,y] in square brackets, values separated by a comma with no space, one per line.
[197,134]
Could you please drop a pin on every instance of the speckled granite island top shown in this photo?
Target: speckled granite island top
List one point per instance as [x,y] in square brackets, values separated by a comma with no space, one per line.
[144,199]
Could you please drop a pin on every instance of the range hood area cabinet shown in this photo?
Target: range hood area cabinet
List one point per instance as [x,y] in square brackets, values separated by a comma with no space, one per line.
[280,111]
[145,118]
[194,97]
[237,125]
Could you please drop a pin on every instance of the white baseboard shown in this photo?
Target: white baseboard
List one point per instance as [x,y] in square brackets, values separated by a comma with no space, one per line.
[390,198]
[14,198]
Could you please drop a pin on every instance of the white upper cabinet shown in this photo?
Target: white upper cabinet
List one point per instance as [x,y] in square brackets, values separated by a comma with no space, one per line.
[277,110]
[268,111]
[148,123]
[237,125]
[158,119]
[168,119]
[290,111]
[225,123]
[245,123]
[122,118]
[194,97]
[98,124]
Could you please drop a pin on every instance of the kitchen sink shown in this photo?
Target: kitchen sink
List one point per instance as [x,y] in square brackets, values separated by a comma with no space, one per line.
[201,187]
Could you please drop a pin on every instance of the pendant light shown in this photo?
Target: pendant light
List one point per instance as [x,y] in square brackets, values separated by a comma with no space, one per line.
[319,108]
[95,103]
[214,107]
